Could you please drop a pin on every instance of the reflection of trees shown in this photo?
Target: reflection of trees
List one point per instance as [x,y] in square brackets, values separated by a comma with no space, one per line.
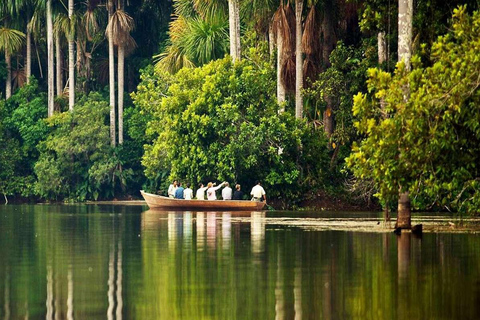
[65,253]
[68,265]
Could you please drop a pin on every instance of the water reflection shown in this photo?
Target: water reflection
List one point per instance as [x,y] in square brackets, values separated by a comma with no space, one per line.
[257,227]
[187,230]
[226,230]
[200,231]
[211,230]
[225,265]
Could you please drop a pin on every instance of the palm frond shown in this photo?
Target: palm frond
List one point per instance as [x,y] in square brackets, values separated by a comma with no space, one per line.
[310,72]
[90,22]
[11,40]
[19,78]
[120,25]
[288,73]
[184,8]
[311,36]
[206,40]
[211,9]
[172,60]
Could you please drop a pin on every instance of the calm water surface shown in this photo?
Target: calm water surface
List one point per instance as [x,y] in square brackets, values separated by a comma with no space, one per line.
[122,262]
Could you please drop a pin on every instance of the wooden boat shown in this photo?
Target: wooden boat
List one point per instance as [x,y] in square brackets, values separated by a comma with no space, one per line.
[160,202]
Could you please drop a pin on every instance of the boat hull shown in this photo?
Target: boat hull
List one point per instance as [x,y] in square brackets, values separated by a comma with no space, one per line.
[160,202]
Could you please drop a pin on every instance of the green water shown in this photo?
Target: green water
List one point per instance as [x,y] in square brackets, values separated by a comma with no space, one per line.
[122,262]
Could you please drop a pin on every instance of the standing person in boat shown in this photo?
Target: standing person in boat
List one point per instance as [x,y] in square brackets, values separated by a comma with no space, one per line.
[211,191]
[227,192]
[188,193]
[179,191]
[238,194]
[201,192]
[258,192]
[172,188]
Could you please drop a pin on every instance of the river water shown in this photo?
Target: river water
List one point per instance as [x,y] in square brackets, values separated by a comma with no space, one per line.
[127,262]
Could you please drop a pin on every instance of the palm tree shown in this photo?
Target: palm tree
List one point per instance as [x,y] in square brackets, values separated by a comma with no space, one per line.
[405,26]
[11,40]
[50,57]
[57,27]
[234,29]
[120,26]
[71,60]
[298,60]
[21,9]
[111,68]
[283,26]
[197,35]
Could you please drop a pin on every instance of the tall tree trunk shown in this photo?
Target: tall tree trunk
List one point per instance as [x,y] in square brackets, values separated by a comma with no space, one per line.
[237,29]
[280,59]
[405,26]
[271,43]
[71,61]
[111,67]
[28,62]
[298,60]
[382,57]
[8,84]
[59,74]
[405,31]
[234,29]
[121,81]
[50,54]
[328,45]
[382,47]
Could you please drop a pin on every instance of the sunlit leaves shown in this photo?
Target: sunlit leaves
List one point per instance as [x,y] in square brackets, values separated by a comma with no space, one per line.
[430,144]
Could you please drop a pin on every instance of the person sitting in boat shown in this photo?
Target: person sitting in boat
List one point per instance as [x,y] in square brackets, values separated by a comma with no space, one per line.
[172,188]
[258,193]
[188,193]
[211,191]
[179,191]
[238,194]
[227,192]
[201,192]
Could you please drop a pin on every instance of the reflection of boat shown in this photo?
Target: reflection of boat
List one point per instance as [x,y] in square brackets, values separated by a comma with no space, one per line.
[155,201]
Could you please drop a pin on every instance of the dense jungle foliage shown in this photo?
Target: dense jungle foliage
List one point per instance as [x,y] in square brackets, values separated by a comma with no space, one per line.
[216,90]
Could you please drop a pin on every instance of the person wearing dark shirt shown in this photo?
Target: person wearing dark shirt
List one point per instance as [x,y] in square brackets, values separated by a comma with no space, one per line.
[179,191]
[238,194]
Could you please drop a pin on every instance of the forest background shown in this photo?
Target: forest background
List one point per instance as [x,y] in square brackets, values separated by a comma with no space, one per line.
[104,98]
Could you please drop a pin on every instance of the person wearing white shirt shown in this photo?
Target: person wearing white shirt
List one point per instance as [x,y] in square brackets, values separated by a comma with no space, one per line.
[211,191]
[227,192]
[172,188]
[188,193]
[201,192]
[258,193]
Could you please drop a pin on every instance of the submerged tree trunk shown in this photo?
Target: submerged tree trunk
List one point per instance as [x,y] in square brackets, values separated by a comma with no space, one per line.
[8,84]
[59,75]
[71,61]
[404,212]
[298,60]
[111,67]
[50,59]
[234,29]
[405,26]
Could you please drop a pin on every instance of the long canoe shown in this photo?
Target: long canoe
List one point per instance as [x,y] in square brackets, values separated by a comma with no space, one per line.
[156,201]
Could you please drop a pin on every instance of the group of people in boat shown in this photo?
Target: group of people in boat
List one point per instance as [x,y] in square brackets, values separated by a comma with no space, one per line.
[177,191]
